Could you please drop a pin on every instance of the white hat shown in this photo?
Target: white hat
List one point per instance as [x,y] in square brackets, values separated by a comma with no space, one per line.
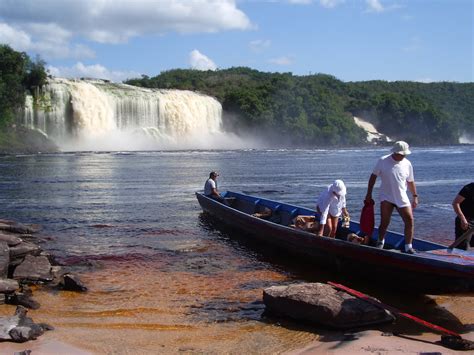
[338,187]
[401,147]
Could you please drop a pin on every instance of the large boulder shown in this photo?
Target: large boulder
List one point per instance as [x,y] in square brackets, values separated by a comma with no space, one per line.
[34,268]
[20,328]
[8,285]
[18,252]
[4,259]
[19,228]
[10,239]
[322,304]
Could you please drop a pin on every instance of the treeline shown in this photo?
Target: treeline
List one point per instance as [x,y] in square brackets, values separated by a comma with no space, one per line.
[318,109]
[19,74]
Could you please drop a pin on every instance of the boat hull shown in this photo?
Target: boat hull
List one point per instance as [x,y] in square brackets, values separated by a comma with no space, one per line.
[427,273]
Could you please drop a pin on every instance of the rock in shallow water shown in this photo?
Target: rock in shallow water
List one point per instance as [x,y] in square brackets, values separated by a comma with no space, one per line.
[8,285]
[34,268]
[322,304]
[20,328]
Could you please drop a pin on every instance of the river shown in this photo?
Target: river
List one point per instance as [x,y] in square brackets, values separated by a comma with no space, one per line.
[162,276]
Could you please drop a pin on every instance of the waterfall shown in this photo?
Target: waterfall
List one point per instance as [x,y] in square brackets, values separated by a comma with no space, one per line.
[95,114]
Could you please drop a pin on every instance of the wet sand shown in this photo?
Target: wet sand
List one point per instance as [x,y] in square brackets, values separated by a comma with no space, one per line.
[144,308]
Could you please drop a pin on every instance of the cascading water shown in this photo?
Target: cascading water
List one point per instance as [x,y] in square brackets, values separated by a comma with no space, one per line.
[97,115]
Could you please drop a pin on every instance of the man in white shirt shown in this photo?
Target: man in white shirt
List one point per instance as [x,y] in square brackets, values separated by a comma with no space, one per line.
[210,187]
[396,173]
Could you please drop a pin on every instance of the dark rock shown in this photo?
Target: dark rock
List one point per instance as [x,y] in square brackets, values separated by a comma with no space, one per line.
[4,259]
[34,268]
[23,249]
[20,328]
[21,334]
[10,239]
[8,285]
[22,299]
[24,352]
[71,282]
[19,228]
[322,304]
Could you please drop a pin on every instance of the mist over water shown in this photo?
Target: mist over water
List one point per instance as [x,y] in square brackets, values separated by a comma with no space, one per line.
[466,139]
[94,115]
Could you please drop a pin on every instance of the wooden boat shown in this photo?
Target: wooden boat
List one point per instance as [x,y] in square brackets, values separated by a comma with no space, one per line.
[433,269]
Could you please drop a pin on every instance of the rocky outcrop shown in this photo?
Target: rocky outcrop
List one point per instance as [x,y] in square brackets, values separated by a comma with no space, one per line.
[23,262]
[323,305]
[20,328]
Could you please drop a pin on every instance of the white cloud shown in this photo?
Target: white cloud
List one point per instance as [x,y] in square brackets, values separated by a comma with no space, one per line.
[52,41]
[281,60]
[300,2]
[199,61]
[97,71]
[374,6]
[117,21]
[17,39]
[324,3]
[330,3]
[56,28]
[259,45]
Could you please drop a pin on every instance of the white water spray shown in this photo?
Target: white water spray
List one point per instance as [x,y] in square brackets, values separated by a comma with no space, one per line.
[372,134]
[97,115]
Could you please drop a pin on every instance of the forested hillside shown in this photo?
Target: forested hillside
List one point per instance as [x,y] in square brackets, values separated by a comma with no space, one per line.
[19,74]
[318,109]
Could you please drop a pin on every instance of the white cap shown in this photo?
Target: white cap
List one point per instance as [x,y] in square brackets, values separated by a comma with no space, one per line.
[338,187]
[401,147]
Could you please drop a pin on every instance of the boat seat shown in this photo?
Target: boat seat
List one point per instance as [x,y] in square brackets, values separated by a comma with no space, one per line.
[287,216]
[245,206]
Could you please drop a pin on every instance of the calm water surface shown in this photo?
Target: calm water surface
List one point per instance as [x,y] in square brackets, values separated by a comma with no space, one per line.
[164,276]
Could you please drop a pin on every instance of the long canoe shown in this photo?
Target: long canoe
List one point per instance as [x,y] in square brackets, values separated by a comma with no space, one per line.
[433,269]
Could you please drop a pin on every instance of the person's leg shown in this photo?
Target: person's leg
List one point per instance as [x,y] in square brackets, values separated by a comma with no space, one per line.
[386,210]
[458,232]
[332,223]
[407,216]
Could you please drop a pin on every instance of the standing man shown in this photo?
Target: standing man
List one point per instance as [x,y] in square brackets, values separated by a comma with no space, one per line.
[463,205]
[396,173]
[210,187]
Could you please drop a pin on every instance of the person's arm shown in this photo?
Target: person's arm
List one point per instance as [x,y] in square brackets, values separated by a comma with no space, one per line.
[457,208]
[370,188]
[214,189]
[323,215]
[345,212]
[412,187]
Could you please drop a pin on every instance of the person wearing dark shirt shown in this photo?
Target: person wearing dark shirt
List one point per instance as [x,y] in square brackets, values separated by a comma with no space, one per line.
[463,205]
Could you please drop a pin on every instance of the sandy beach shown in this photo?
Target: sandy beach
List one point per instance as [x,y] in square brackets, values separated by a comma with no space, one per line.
[401,337]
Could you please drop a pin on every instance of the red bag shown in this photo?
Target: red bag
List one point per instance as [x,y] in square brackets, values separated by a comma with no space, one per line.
[367,218]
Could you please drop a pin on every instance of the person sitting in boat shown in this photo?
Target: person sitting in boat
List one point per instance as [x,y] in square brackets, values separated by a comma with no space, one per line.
[305,223]
[263,213]
[331,204]
[348,235]
[210,187]
[463,205]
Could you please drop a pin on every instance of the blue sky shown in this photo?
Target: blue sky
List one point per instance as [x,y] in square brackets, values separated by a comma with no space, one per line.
[354,40]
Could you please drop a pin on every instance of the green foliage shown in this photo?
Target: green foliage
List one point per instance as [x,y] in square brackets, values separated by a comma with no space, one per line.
[318,109]
[18,74]
[302,110]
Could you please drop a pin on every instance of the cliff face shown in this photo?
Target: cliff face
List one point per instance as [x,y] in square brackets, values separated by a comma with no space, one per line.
[21,140]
